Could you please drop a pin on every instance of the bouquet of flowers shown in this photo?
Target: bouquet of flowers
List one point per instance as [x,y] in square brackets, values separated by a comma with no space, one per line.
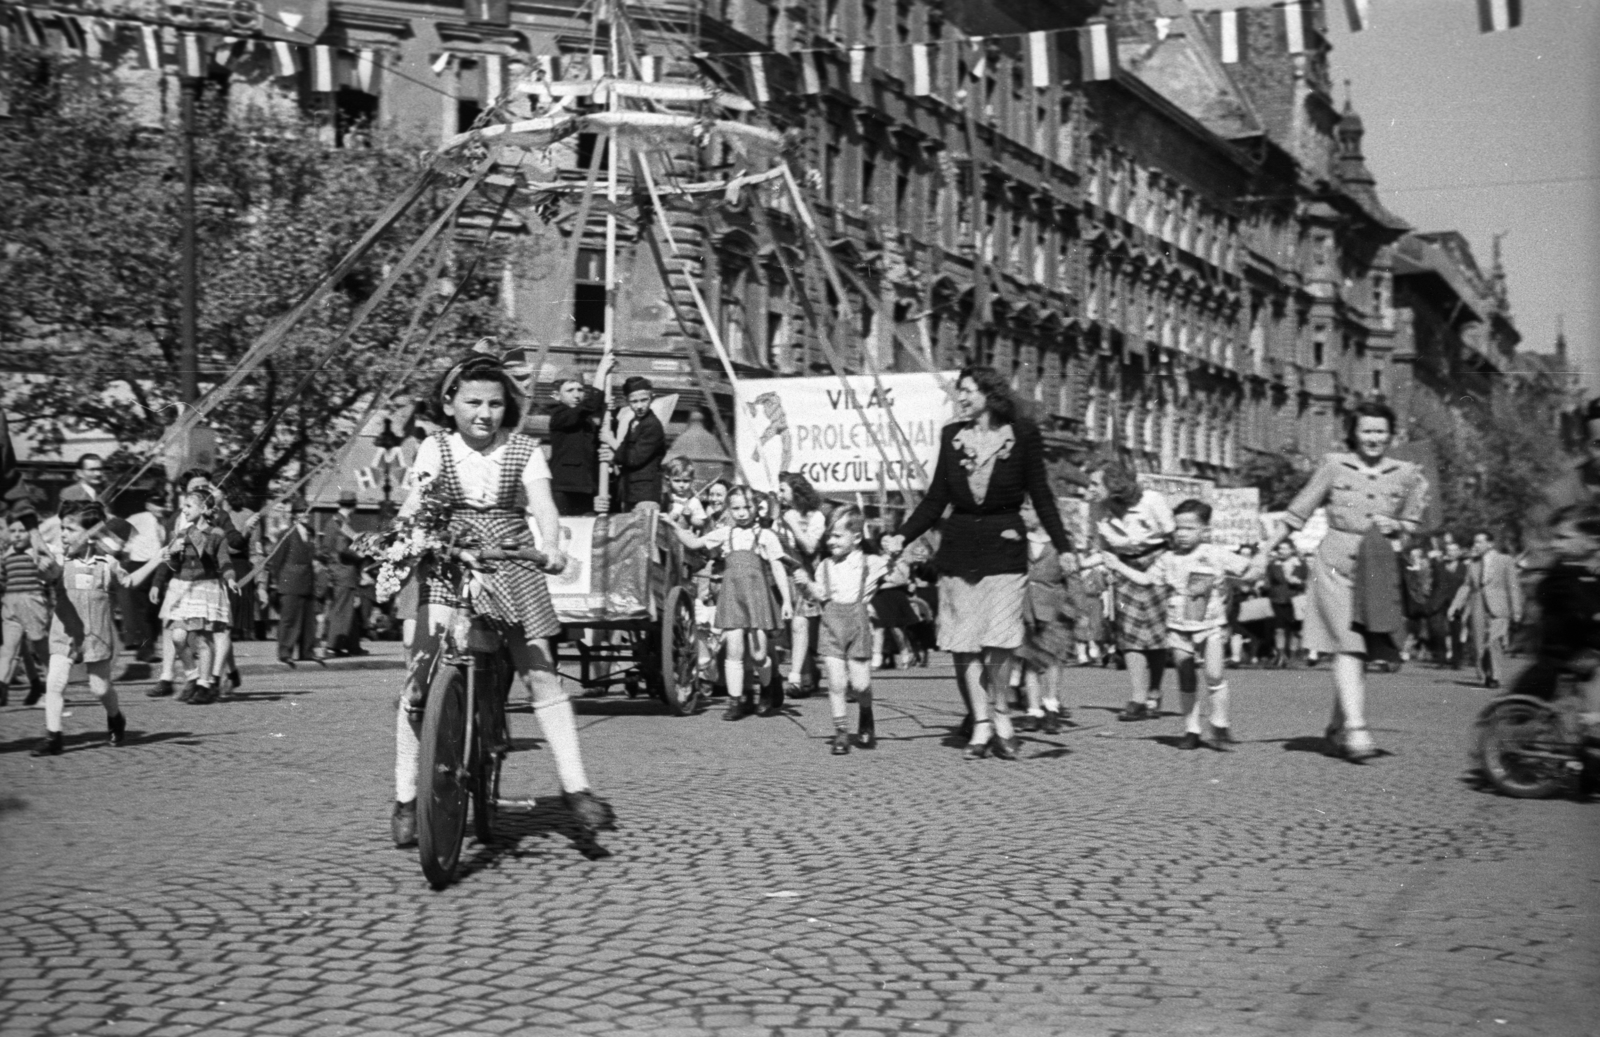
[422,537]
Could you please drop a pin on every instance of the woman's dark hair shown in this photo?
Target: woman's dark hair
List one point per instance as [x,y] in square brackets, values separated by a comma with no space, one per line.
[1368,409]
[1003,408]
[806,498]
[1122,485]
[476,367]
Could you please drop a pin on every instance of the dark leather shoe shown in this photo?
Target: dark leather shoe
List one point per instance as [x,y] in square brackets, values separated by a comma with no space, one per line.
[403,825]
[1004,748]
[840,743]
[35,693]
[49,745]
[190,689]
[974,751]
[1133,711]
[735,710]
[1222,737]
[162,690]
[117,729]
[1052,722]
[589,810]
[234,679]
[203,695]
[867,731]
[1190,740]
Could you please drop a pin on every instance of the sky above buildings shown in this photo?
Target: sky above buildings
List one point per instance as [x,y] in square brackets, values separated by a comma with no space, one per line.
[1491,133]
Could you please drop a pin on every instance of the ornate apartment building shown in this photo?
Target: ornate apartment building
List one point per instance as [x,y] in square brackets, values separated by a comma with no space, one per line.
[1172,243]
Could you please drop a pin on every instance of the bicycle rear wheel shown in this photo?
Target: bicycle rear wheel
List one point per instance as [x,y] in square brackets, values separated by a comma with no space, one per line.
[443,776]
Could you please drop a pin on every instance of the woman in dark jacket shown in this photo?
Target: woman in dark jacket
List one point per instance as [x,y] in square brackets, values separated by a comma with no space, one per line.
[989,462]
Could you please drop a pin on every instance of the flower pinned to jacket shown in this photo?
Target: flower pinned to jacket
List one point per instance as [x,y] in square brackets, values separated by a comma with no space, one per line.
[975,453]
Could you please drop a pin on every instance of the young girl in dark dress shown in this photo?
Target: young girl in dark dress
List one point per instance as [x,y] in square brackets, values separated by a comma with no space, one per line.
[752,574]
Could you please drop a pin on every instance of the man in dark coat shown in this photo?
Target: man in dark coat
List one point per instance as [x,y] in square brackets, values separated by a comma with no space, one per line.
[293,567]
[575,450]
[344,580]
[1449,573]
[641,447]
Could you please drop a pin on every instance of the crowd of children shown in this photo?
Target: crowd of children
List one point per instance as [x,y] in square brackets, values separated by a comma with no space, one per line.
[62,580]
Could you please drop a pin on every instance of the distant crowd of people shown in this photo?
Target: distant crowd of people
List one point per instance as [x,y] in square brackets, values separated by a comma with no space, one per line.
[796,593]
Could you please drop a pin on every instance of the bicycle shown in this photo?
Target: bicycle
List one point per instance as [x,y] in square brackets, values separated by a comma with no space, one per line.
[465,737]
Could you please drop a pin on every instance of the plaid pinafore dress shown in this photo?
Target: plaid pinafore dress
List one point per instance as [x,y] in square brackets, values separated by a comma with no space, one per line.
[519,595]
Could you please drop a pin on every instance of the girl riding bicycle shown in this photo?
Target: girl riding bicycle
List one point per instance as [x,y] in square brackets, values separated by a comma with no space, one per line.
[496,484]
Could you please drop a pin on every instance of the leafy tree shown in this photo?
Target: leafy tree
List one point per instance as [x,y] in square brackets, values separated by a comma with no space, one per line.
[1495,457]
[1279,476]
[89,273]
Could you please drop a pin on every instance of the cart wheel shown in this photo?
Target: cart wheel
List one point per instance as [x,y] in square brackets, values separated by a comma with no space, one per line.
[442,776]
[679,656]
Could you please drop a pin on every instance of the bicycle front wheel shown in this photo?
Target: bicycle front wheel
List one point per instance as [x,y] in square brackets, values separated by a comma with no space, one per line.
[443,782]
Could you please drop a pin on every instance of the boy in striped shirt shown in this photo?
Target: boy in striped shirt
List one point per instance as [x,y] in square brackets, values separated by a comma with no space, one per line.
[24,606]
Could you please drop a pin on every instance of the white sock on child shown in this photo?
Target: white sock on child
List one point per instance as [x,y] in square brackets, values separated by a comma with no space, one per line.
[1189,706]
[406,746]
[1219,704]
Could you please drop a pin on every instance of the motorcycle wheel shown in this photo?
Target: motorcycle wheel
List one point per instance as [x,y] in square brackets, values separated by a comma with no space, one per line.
[1523,750]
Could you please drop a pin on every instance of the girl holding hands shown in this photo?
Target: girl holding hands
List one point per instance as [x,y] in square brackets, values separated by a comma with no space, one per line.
[752,571]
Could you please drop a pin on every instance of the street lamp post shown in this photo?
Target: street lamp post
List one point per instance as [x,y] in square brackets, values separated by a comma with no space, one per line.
[388,445]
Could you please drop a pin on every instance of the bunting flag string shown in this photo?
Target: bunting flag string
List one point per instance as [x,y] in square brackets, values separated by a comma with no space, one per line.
[86,34]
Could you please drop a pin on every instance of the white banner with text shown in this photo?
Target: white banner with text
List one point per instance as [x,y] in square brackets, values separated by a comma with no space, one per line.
[855,434]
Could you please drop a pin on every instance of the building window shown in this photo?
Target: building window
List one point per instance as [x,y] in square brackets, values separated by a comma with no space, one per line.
[869,172]
[832,168]
[735,318]
[1377,381]
[589,291]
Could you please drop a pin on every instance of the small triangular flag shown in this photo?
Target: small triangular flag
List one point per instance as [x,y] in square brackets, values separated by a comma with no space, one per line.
[322,69]
[921,80]
[1499,15]
[283,60]
[191,56]
[758,80]
[858,64]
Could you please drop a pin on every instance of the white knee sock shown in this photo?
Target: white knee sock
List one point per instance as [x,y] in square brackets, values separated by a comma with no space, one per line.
[733,672]
[560,729]
[1219,704]
[406,742]
[55,691]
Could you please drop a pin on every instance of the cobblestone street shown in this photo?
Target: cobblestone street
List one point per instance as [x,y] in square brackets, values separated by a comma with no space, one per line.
[230,870]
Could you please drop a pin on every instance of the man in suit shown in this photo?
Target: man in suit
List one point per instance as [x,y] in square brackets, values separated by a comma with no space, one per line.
[90,481]
[293,567]
[575,449]
[344,580]
[639,444]
[1492,600]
